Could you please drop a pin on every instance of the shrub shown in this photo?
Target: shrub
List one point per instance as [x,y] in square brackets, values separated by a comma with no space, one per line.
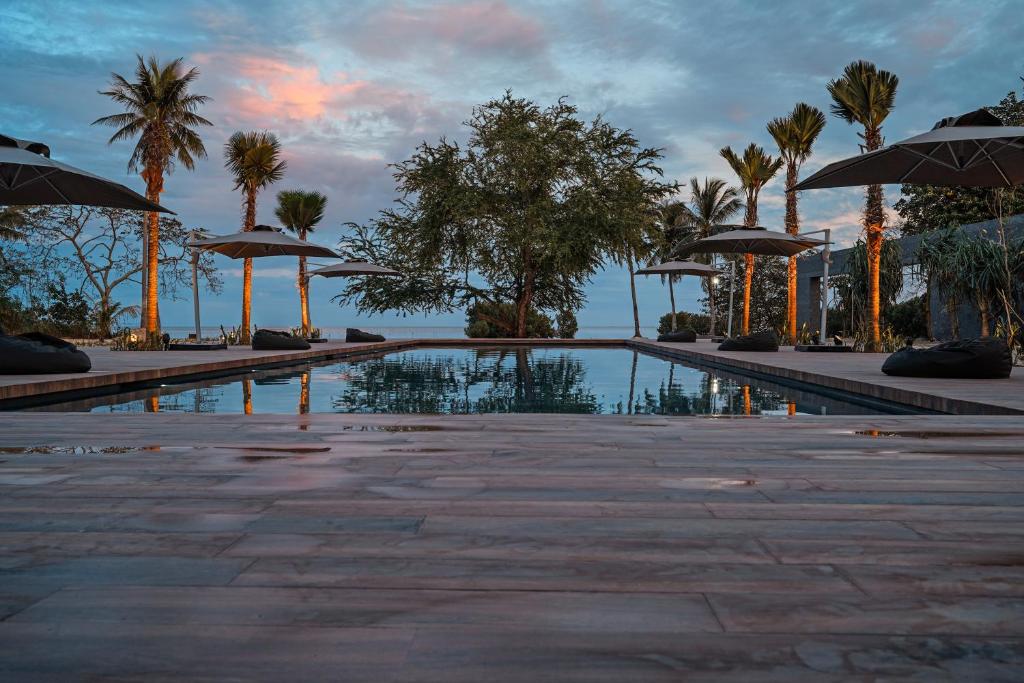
[567,325]
[695,321]
[486,320]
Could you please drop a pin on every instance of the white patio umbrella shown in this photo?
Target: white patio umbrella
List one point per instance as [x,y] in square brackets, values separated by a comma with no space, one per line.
[29,177]
[675,268]
[263,240]
[738,239]
[971,150]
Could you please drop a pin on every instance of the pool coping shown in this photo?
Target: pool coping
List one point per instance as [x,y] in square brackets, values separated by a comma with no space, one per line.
[64,388]
[913,398]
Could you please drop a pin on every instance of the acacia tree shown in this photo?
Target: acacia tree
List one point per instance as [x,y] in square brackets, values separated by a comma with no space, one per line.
[523,215]
[100,249]
[795,134]
[754,169]
[865,94]
[161,112]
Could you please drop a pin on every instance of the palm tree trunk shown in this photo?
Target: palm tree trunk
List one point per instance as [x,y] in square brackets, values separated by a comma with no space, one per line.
[154,187]
[748,283]
[672,298]
[250,223]
[983,307]
[304,297]
[304,291]
[874,218]
[632,290]
[792,227]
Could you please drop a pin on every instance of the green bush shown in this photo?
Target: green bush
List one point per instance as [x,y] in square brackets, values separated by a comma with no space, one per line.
[567,325]
[684,321]
[907,318]
[485,320]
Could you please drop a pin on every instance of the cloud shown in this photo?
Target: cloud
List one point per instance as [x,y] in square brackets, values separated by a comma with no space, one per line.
[448,32]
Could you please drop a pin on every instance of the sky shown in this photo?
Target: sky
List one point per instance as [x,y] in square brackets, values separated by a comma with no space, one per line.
[350,87]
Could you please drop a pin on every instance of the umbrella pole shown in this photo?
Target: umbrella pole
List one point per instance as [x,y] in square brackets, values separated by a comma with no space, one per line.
[672,297]
[732,289]
[195,289]
[825,256]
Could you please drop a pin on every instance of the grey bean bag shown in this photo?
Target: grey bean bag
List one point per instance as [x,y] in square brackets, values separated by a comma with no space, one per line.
[758,341]
[35,353]
[269,340]
[354,336]
[983,358]
[679,336]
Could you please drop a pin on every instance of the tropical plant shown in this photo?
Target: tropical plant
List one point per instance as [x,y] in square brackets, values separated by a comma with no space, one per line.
[525,214]
[254,159]
[852,287]
[712,204]
[160,111]
[935,260]
[795,134]
[865,95]
[754,169]
[300,211]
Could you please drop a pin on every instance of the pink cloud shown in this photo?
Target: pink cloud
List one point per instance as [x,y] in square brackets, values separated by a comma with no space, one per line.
[474,28]
[296,97]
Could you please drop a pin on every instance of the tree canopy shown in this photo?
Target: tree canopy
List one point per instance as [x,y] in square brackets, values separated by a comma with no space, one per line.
[524,213]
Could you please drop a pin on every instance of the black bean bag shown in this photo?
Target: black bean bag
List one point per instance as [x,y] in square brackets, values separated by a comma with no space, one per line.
[679,336]
[354,336]
[758,341]
[269,340]
[984,358]
[35,353]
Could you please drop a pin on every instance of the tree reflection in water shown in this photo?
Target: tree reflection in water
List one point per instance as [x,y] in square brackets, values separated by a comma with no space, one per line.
[526,381]
[504,381]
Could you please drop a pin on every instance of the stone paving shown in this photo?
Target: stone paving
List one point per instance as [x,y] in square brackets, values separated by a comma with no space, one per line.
[510,547]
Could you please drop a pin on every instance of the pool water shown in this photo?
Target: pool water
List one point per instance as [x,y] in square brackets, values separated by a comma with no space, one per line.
[482,380]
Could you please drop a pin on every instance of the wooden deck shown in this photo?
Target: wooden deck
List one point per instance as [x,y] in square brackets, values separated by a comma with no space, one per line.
[860,374]
[508,548]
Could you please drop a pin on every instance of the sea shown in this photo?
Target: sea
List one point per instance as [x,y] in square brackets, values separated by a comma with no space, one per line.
[425,331]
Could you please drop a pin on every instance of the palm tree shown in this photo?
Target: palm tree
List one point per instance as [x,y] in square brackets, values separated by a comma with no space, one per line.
[161,112]
[300,211]
[754,169]
[865,95]
[711,204]
[795,135]
[254,159]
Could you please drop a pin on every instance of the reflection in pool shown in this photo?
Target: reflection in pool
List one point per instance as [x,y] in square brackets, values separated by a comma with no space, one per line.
[482,380]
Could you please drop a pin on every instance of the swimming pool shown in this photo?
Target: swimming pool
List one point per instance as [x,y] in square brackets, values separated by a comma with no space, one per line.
[484,380]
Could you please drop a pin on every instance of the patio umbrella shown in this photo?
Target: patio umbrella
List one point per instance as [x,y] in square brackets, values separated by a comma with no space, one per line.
[28,176]
[350,268]
[673,268]
[750,241]
[263,240]
[973,150]
[757,240]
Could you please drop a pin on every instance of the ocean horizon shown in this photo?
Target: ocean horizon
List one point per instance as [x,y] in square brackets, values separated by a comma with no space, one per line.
[422,331]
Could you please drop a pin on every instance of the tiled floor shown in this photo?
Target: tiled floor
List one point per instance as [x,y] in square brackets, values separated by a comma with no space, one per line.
[510,548]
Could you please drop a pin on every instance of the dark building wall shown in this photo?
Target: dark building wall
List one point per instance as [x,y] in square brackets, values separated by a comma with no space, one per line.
[809,272]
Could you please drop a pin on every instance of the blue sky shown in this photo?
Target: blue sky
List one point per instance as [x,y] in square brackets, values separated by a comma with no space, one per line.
[352,86]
